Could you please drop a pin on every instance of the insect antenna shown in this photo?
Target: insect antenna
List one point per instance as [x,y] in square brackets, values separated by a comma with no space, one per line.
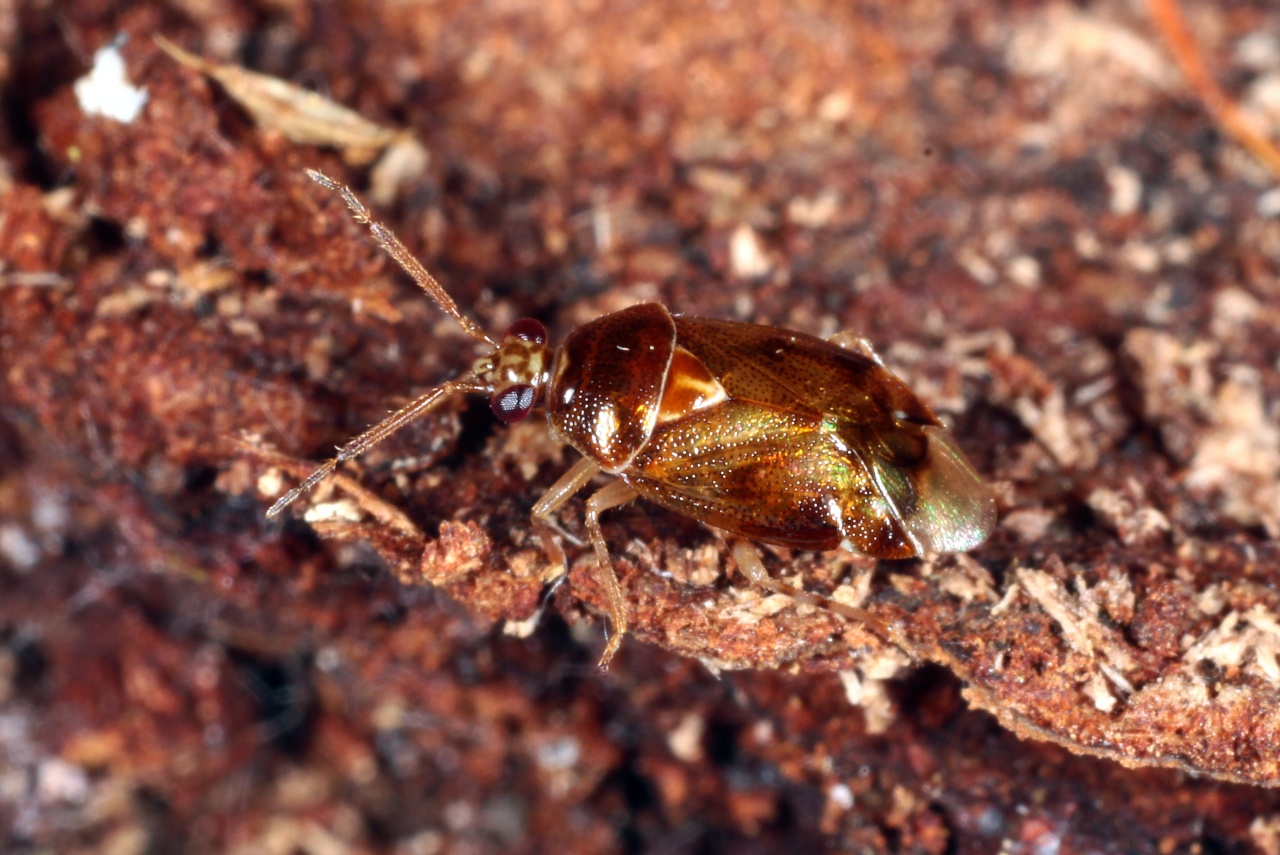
[393,247]
[377,434]
[423,403]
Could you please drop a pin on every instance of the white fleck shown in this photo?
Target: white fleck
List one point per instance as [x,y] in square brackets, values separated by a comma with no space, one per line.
[328,659]
[977,266]
[1212,600]
[270,483]
[1087,245]
[856,591]
[1179,251]
[1126,190]
[1142,257]
[836,106]
[1258,50]
[60,781]
[1261,102]
[887,664]
[106,90]
[871,696]
[1024,270]
[841,796]
[746,256]
[21,551]
[1117,679]
[1090,392]
[522,628]
[852,687]
[602,225]
[685,741]
[404,160]
[1096,689]
[49,513]
[1268,204]
[816,212]
[341,510]
[559,755]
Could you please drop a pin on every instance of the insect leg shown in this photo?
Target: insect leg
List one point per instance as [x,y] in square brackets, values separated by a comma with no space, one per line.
[375,435]
[610,496]
[544,525]
[750,563]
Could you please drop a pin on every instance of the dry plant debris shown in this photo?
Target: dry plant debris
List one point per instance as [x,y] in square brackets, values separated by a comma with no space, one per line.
[1016,205]
[298,114]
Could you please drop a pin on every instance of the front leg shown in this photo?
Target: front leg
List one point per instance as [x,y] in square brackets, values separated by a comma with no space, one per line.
[617,493]
[544,525]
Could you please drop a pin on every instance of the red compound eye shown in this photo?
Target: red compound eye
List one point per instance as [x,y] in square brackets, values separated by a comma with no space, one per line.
[529,330]
[513,403]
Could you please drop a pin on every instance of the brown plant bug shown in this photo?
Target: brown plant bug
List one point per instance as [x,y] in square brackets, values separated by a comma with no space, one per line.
[767,434]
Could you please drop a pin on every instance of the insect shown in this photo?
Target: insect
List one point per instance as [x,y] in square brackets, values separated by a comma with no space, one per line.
[766,434]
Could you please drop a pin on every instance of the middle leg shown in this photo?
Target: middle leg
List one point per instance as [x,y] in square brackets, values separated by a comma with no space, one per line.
[609,496]
[544,525]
